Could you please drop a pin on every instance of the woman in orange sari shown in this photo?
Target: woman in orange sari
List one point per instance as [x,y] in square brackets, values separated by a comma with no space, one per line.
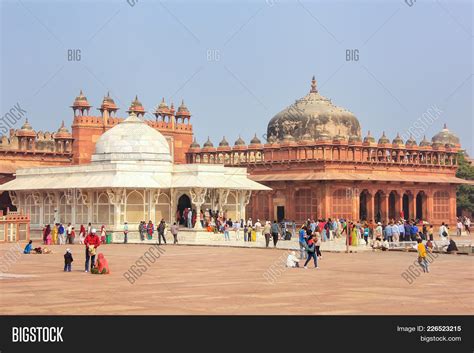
[102,264]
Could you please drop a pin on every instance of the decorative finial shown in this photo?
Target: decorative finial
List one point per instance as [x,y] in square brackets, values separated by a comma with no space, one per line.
[368,133]
[108,94]
[62,124]
[313,85]
[80,93]
[445,126]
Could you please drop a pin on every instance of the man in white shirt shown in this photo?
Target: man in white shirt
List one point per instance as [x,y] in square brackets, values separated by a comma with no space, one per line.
[467,225]
[395,232]
[443,231]
[459,227]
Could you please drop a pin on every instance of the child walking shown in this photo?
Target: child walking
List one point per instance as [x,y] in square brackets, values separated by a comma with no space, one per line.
[422,255]
[68,260]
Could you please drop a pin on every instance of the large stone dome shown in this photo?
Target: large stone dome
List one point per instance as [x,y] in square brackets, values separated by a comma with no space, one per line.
[132,140]
[445,136]
[314,115]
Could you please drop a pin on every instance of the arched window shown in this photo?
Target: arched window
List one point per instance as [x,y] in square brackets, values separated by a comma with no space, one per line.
[82,212]
[162,209]
[32,209]
[305,204]
[341,204]
[135,207]
[441,205]
[231,206]
[48,210]
[104,214]
[65,210]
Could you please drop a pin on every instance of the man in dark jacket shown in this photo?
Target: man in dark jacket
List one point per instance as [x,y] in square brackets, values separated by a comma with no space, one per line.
[161,231]
[275,232]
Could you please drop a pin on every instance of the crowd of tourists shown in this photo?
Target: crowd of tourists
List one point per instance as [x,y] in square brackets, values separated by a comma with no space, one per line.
[59,234]
[311,233]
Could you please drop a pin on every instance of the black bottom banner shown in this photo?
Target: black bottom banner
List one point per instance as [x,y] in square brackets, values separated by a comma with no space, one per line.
[340,333]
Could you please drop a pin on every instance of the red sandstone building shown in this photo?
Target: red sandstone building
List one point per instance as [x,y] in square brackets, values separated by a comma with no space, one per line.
[314,159]
[319,166]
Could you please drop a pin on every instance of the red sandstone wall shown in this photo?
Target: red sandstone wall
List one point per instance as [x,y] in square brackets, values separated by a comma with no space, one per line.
[87,130]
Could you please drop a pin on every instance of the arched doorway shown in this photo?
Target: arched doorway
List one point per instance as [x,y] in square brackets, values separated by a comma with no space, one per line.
[392,201]
[6,202]
[406,206]
[183,202]
[363,205]
[420,205]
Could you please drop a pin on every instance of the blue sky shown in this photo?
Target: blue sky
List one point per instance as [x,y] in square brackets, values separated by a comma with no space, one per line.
[237,64]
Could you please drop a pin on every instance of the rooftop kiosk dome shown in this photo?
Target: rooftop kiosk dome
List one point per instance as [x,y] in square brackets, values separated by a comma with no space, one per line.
[132,140]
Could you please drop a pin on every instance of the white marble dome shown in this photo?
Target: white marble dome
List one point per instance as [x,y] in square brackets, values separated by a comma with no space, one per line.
[132,140]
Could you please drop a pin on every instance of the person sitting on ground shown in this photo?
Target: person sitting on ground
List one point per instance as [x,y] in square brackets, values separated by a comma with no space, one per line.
[452,247]
[102,265]
[28,247]
[292,261]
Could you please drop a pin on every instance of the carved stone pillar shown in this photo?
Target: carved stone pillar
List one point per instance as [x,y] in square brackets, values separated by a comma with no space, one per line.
[198,196]
[371,210]
[222,195]
[117,197]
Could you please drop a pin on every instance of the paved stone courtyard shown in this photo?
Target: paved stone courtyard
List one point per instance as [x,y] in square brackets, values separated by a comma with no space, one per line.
[225,280]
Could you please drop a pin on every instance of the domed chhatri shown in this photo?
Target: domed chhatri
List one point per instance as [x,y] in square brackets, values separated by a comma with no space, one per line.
[398,141]
[445,136]
[383,140]
[425,142]
[195,144]
[255,140]
[132,141]
[339,137]
[81,101]
[239,142]
[369,138]
[108,103]
[208,143]
[223,142]
[136,107]
[183,110]
[411,142]
[26,130]
[353,139]
[163,108]
[63,132]
[312,114]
